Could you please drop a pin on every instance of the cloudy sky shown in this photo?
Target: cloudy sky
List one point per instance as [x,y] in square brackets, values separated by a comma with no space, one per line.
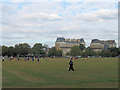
[42,22]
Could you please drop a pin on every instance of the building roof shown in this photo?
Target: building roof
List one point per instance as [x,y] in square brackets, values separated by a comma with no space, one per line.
[72,42]
[82,40]
[60,39]
[110,41]
[103,41]
[95,41]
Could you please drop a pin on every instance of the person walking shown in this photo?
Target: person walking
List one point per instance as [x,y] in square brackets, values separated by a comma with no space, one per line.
[71,65]
[2,58]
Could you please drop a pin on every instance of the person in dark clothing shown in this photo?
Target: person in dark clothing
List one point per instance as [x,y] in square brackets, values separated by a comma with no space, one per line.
[71,65]
[10,58]
[38,59]
[18,58]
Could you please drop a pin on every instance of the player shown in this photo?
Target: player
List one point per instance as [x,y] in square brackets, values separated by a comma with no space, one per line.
[27,58]
[33,58]
[18,58]
[3,59]
[38,59]
[71,65]
[11,58]
[24,58]
[76,58]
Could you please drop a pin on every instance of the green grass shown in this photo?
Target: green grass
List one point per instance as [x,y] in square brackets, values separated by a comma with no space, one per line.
[53,73]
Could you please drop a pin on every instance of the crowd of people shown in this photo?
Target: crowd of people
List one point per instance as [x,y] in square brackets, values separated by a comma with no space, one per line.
[23,58]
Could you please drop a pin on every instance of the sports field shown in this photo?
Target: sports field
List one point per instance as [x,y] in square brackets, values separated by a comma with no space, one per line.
[53,73]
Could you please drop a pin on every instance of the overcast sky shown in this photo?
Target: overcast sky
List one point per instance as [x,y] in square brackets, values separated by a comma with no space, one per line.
[42,22]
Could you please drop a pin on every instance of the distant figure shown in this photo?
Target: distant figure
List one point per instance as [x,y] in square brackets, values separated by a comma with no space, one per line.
[46,57]
[24,58]
[71,65]
[10,59]
[18,58]
[33,59]
[27,58]
[76,58]
[38,59]
[3,59]
[87,57]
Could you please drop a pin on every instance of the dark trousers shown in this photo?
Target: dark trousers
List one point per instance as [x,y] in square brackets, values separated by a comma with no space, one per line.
[71,68]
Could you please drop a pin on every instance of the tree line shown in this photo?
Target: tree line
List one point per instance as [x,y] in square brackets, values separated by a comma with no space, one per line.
[39,50]
[24,49]
[85,52]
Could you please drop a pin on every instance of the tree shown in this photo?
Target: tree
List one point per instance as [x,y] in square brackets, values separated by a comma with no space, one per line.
[54,52]
[88,52]
[37,49]
[4,50]
[82,47]
[22,49]
[114,51]
[59,53]
[11,51]
[105,53]
[110,52]
[75,51]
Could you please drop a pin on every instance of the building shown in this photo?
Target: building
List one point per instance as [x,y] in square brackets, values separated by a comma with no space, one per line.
[98,45]
[66,44]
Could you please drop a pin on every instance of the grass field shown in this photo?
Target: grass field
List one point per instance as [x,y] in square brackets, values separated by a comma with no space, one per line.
[53,73]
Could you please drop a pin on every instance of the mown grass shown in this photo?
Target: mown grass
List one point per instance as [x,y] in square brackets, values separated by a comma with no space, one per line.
[53,73]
